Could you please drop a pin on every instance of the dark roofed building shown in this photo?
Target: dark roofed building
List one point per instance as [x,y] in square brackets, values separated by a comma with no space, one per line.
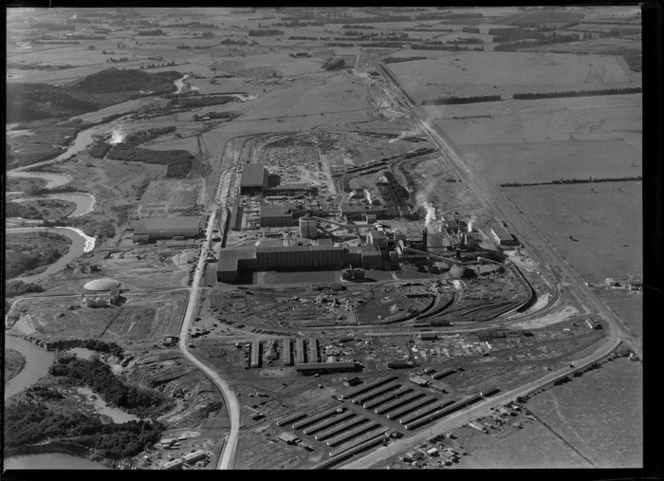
[322,367]
[153,228]
[277,215]
[254,179]
[503,237]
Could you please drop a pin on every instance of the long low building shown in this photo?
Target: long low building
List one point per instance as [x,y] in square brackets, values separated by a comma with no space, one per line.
[323,367]
[153,228]
[294,257]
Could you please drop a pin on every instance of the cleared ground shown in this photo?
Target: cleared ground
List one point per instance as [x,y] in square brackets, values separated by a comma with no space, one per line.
[604,220]
[600,414]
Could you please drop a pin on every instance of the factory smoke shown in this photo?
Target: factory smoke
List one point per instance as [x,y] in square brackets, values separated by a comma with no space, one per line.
[470,224]
[422,198]
[367,194]
[431,213]
[407,133]
[117,136]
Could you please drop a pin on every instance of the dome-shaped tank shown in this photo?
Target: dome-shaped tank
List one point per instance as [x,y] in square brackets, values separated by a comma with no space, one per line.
[101,285]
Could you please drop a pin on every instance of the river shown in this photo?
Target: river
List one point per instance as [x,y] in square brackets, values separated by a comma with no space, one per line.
[37,362]
[51,461]
[81,244]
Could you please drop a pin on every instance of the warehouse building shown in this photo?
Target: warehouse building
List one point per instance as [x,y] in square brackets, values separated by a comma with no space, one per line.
[503,237]
[271,257]
[325,367]
[278,215]
[178,228]
[294,257]
[254,179]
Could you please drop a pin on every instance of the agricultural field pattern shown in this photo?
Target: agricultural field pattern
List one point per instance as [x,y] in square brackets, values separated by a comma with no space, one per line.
[324,238]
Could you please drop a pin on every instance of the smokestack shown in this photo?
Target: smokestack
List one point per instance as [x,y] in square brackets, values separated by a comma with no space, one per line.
[424,240]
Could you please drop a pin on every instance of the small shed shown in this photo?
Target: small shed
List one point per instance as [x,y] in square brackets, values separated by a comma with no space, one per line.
[288,438]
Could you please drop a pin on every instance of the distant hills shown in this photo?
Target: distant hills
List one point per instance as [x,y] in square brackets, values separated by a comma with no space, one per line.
[39,101]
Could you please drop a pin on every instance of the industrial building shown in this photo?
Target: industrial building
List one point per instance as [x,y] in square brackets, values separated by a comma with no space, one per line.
[298,188]
[294,257]
[503,237]
[277,215]
[180,227]
[323,255]
[308,228]
[358,211]
[254,179]
[255,353]
[325,367]
[236,217]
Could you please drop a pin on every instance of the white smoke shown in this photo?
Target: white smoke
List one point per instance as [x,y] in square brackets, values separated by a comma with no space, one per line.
[117,136]
[408,133]
[470,224]
[367,194]
[431,213]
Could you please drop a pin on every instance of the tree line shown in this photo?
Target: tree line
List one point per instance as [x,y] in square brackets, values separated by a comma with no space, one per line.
[576,93]
[461,100]
[589,180]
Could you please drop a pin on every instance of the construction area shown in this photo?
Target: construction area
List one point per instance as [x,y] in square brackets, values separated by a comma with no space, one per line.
[313,238]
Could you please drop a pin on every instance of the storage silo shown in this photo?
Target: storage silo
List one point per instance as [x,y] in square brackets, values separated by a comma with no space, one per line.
[308,228]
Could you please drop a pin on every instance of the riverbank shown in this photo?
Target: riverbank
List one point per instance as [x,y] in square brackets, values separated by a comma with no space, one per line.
[14,364]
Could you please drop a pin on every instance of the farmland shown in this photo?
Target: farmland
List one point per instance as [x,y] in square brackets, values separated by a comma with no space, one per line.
[368,253]
[610,433]
[603,218]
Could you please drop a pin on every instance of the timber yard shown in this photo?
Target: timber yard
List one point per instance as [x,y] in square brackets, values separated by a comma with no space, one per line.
[290,251]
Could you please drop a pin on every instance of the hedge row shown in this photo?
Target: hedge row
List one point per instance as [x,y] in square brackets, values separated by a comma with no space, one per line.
[461,100]
[576,93]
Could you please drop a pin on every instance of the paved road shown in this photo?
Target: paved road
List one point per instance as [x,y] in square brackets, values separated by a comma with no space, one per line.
[542,252]
[482,408]
[232,405]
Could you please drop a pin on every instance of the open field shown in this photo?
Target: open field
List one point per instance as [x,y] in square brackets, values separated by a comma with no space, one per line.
[603,218]
[143,318]
[533,447]
[626,304]
[506,73]
[599,413]
[531,162]
[614,117]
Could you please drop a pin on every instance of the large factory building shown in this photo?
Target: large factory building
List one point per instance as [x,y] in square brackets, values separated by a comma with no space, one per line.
[295,257]
[154,228]
[254,179]
[278,215]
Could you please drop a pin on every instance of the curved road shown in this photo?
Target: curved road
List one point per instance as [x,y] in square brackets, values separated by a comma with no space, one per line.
[542,252]
[232,405]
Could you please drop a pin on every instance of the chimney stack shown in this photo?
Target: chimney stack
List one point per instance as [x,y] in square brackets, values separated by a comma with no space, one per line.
[424,240]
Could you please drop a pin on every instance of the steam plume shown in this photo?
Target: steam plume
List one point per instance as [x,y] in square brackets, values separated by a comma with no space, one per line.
[470,224]
[368,196]
[117,136]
